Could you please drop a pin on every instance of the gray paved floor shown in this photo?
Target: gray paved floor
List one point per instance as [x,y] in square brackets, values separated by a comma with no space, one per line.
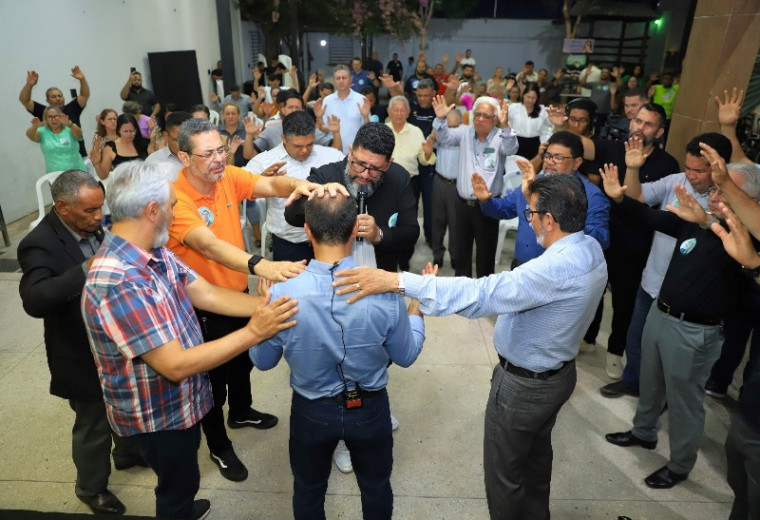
[440,402]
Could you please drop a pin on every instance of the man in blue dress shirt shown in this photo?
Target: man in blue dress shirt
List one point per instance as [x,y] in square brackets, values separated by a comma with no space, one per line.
[338,356]
[543,308]
[564,155]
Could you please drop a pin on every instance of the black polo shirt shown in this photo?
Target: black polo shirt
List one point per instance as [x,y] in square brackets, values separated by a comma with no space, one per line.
[422,118]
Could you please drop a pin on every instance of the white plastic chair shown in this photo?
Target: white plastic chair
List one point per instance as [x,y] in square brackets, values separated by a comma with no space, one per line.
[512,180]
[214,116]
[47,178]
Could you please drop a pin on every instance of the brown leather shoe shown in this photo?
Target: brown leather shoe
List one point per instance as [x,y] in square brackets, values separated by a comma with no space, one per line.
[104,503]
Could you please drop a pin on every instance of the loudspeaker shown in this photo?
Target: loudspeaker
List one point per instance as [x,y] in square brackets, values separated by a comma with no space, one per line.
[175,78]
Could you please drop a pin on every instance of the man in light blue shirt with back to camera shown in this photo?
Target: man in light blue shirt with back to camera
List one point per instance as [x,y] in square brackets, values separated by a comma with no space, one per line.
[543,308]
[338,356]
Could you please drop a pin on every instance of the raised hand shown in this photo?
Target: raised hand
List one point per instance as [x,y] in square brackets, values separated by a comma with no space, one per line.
[528,175]
[634,153]
[440,107]
[688,208]
[388,82]
[611,182]
[503,114]
[319,108]
[453,83]
[730,109]
[274,169]
[365,108]
[719,170]
[64,119]
[234,144]
[427,146]
[36,123]
[459,57]
[445,58]
[251,127]
[77,73]
[32,77]
[736,241]
[480,188]
[557,116]
[333,124]
[313,81]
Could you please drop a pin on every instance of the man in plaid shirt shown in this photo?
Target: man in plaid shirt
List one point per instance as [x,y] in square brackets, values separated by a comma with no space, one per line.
[138,309]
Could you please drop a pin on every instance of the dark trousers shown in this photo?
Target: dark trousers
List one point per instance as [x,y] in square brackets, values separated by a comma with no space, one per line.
[173,455]
[624,269]
[91,438]
[422,185]
[517,444]
[235,374]
[632,370]
[743,469]
[315,429]
[283,250]
[593,329]
[471,225]
[737,327]
[445,200]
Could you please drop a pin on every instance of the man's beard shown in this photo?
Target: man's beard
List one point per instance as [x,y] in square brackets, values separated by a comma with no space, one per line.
[541,237]
[161,233]
[353,188]
[644,141]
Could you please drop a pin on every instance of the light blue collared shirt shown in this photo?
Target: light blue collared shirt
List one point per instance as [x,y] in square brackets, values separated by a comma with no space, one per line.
[365,335]
[544,306]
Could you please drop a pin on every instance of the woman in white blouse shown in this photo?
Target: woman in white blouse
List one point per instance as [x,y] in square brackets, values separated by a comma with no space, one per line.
[531,122]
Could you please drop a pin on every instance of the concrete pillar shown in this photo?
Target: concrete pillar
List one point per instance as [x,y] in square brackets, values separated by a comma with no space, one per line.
[723,45]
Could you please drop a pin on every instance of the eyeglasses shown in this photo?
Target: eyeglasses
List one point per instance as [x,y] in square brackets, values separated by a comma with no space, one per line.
[372,171]
[53,116]
[222,152]
[581,120]
[483,115]
[557,157]
[528,213]
[713,190]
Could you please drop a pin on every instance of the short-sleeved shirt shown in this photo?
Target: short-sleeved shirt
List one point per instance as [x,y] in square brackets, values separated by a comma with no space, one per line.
[349,114]
[135,301]
[220,213]
[145,97]
[61,150]
[72,109]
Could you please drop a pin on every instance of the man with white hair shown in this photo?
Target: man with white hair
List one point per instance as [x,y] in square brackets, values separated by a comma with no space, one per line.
[149,351]
[483,150]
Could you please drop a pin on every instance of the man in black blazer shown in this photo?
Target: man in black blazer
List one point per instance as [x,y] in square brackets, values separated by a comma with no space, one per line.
[54,258]
[390,222]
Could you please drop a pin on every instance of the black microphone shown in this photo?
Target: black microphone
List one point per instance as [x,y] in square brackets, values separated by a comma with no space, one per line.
[362,196]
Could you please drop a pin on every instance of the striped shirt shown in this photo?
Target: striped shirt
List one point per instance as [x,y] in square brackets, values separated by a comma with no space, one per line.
[544,306]
[134,302]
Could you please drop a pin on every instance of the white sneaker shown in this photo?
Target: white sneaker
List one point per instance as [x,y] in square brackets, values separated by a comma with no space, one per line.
[342,458]
[394,423]
[614,366]
[586,347]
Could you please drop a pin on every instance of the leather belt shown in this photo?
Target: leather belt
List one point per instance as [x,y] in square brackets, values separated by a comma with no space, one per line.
[524,372]
[469,202]
[339,397]
[692,318]
[444,179]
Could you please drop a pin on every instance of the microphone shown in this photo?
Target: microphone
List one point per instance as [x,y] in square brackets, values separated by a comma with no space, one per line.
[362,196]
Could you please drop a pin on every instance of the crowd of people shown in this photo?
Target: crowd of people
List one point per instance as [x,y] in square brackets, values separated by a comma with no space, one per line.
[150,328]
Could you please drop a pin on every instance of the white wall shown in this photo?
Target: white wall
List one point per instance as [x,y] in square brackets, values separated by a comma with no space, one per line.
[105,38]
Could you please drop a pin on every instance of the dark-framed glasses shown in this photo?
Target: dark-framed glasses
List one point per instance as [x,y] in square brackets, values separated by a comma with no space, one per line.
[372,171]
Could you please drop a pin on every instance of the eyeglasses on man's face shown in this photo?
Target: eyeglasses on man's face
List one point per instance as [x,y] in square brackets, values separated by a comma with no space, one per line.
[222,152]
[372,171]
[528,213]
[483,115]
[556,157]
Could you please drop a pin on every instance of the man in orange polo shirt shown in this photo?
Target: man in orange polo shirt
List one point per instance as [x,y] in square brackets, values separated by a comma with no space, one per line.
[207,235]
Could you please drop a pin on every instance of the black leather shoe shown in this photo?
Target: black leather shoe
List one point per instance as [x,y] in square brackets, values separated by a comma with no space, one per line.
[663,478]
[618,389]
[131,462]
[104,503]
[629,439]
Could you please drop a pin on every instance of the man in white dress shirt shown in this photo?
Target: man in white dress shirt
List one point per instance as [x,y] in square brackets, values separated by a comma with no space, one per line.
[296,156]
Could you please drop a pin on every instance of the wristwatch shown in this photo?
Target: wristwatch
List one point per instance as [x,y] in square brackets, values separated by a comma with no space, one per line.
[710,221]
[255,259]
[752,272]
[401,287]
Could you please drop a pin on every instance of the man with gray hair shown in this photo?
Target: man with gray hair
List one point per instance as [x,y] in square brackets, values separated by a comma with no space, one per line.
[483,150]
[351,108]
[149,351]
[54,258]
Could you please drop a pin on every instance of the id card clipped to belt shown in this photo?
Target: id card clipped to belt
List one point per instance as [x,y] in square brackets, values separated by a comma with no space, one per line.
[352,398]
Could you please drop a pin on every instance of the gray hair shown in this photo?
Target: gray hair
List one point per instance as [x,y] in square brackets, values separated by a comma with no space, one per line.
[190,128]
[489,101]
[66,187]
[426,83]
[341,67]
[454,114]
[399,99]
[134,185]
[751,175]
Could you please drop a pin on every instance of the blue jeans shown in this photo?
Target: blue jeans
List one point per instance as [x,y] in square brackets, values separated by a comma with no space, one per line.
[315,429]
[633,340]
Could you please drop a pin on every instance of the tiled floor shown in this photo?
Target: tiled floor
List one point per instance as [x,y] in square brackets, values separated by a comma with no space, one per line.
[440,401]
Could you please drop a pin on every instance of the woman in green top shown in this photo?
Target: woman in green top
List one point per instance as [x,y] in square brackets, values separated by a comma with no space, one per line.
[59,140]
